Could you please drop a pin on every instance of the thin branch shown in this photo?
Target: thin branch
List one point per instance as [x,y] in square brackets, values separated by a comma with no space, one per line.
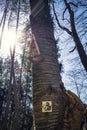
[81,4]
[18,13]
[64,12]
[4,20]
[68,6]
[9,20]
[71,3]
[72,50]
[62,27]
[5,12]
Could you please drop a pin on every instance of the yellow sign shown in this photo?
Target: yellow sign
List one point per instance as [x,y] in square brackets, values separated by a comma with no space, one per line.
[46,106]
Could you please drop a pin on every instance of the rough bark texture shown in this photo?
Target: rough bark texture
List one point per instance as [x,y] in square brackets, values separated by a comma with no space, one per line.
[74,111]
[46,77]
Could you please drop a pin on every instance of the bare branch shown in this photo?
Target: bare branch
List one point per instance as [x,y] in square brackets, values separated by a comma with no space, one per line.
[18,12]
[71,3]
[62,27]
[4,20]
[9,20]
[64,12]
[81,4]
[72,50]
[78,44]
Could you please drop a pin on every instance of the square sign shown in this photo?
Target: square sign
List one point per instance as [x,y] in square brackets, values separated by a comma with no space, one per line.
[46,106]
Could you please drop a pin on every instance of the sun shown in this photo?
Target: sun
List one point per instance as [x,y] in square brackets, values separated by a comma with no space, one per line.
[9,40]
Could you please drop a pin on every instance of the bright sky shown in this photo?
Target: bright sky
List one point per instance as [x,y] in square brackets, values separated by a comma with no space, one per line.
[9,39]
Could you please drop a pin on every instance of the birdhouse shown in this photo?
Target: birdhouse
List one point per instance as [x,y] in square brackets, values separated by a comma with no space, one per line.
[34,52]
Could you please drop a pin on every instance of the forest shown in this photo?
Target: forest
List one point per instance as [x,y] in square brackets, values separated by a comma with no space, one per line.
[43,65]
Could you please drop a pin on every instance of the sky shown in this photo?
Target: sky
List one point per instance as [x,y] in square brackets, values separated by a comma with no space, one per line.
[9,39]
[71,61]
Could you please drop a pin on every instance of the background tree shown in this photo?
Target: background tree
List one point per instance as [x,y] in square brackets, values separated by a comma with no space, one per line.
[69,53]
[76,78]
[16,99]
[73,21]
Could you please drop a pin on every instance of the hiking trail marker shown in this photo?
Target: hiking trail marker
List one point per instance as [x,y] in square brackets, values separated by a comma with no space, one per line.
[46,106]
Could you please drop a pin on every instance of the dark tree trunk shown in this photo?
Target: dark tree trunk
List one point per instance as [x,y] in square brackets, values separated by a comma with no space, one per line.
[46,77]
[5,124]
[78,44]
[73,33]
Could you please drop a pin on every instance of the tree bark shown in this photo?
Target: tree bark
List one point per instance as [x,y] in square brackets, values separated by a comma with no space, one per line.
[46,77]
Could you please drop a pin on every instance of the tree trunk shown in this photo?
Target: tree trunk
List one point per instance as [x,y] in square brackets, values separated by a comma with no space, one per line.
[46,77]
[73,33]
[7,111]
[80,49]
[78,44]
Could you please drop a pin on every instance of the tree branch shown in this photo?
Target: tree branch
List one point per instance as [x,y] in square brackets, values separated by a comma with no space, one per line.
[18,12]
[76,39]
[3,20]
[62,27]
[72,50]
[71,3]
[64,12]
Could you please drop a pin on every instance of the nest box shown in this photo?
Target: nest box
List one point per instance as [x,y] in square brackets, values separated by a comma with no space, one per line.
[34,52]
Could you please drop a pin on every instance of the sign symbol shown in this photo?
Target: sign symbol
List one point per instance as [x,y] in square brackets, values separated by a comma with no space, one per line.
[46,106]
